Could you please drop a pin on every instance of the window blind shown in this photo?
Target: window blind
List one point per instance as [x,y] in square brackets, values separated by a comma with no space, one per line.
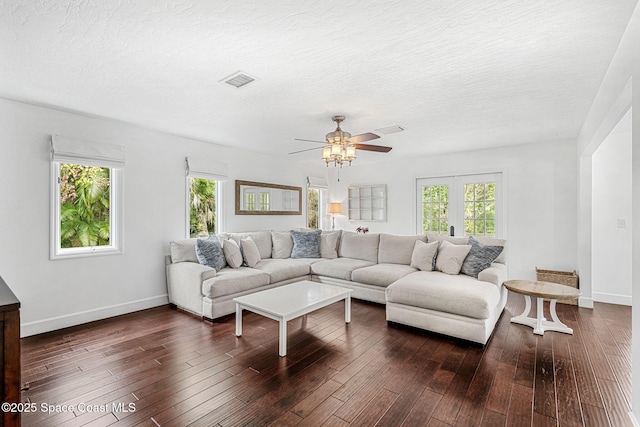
[73,150]
[199,167]
[315,182]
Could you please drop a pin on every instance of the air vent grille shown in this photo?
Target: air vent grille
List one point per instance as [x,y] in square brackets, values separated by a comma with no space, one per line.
[390,129]
[238,79]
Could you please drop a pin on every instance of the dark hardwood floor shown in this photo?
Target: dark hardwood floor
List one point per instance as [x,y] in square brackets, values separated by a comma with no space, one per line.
[165,367]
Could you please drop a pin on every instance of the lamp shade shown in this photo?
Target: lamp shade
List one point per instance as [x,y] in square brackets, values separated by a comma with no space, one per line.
[335,208]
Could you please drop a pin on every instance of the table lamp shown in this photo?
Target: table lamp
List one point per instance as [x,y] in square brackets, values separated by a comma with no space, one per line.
[334,208]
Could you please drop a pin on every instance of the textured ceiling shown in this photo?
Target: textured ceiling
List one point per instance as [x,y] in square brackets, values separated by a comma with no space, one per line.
[457,75]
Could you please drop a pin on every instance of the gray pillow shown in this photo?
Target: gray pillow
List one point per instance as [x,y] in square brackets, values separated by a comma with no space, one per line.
[306,244]
[209,252]
[480,257]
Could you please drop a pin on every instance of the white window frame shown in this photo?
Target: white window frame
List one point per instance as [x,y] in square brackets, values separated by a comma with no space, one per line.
[456,199]
[72,151]
[321,185]
[213,170]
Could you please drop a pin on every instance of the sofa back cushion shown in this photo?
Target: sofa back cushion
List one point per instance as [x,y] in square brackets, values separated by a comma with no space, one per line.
[262,239]
[359,246]
[397,249]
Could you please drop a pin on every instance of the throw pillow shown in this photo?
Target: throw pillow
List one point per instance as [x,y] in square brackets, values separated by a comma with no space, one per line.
[329,244]
[250,252]
[209,252]
[306,244]
[480,257]
[232,253]
[282,244]
[450,257]
[423,255]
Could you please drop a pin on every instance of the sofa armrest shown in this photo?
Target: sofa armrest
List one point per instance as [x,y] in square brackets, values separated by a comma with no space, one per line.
[184,284]
[496,274]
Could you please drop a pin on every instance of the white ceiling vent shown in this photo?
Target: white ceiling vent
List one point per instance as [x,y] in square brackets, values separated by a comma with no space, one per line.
[238,79]
[389,129]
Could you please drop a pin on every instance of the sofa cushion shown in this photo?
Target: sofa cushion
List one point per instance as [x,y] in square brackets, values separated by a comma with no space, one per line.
[450,257]
[459,294]
[359,246]
[250,252]
[262,240]
[183,251]
[492,241]
[232,280]
[283,269]
[329,244]
[232,253]
[381,274]
[339,268]
[424,255]
[282,244]
[306,244]
[209,253]
[397,249]
[480,257]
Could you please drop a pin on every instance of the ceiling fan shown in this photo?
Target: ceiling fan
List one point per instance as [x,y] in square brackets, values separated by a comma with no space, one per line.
[341,146]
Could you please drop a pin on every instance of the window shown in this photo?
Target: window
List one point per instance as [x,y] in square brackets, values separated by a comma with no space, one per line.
[86,198]
[202,207]
[205,180]
[316,202]
[471,204]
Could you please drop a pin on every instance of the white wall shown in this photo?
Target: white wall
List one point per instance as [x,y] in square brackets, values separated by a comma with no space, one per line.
[540,192]
[56,294]
[619,91]
[611,173]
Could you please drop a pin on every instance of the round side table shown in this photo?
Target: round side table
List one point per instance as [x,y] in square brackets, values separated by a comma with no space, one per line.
[541,290]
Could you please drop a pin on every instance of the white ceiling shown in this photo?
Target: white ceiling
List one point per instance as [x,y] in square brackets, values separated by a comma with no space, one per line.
[457,75]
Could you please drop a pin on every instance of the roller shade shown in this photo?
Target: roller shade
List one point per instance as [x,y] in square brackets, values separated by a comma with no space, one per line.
[199,167]
[73,150]
[315,182]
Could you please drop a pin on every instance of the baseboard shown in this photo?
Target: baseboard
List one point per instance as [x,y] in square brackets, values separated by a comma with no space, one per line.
[585,302]
[73,319]
[612,298]
[634,420]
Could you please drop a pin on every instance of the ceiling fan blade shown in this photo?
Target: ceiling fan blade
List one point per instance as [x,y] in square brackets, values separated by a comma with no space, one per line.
[376,148]
[310,140]
[363,137]
[308,149]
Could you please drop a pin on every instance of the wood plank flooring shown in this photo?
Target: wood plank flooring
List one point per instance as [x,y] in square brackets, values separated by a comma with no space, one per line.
[163,367]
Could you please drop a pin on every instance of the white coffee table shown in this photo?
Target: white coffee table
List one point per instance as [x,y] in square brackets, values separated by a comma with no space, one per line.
[290,301]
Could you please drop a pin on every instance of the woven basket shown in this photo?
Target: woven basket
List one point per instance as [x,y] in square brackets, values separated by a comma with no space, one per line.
[568,278]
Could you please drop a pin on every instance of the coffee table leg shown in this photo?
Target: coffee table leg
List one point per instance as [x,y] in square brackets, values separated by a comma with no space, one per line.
[347,309]
[238,320]
[283,338]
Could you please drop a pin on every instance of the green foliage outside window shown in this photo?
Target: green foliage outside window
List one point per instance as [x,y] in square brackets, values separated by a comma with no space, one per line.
[202,204]
[480,209]
[435,209]
[84,206]
[313,208]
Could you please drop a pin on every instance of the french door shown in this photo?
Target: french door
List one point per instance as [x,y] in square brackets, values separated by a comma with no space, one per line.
[463,205]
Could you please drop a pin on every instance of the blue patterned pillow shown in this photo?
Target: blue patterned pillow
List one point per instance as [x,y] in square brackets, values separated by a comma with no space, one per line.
[480,257]
[209,252]
[306,244]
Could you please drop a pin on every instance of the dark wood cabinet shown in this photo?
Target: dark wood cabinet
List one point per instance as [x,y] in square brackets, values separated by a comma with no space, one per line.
[10,354]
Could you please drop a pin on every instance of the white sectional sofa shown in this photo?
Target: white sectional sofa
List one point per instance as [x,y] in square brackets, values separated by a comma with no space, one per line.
[377,266]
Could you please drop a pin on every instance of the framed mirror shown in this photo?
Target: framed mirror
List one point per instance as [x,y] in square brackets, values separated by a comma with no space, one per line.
[260,198]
